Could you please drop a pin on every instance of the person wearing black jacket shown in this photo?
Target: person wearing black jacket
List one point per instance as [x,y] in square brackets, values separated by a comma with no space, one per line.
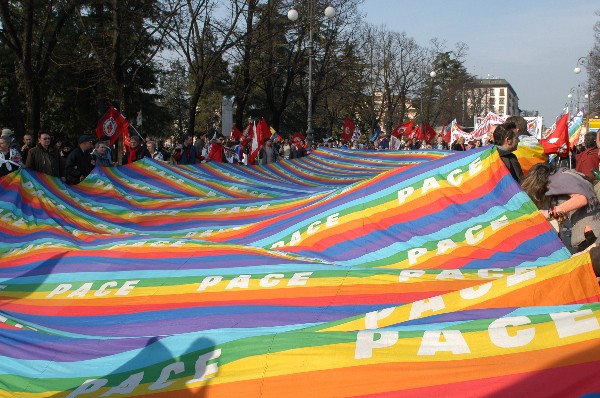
[297,151]
[79,161]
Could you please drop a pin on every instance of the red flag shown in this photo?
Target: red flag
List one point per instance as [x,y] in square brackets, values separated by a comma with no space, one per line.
[261,133]
[558,137]
[297,137]
[446,134]
[236,134]
[418,133]
[347,130]
[402,129]
[247,134]
[112,125]
[429,132]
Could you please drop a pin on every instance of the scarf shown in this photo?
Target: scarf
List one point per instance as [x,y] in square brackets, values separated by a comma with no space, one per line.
[133,154]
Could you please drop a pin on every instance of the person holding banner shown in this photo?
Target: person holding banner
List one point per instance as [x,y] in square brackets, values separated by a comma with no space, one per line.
[506,139]
[136,150]
[563,194]
[44,158]
[10,158]
[459,144]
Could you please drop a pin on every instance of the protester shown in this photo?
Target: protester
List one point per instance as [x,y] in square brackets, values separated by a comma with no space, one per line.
[10,158]
[414,143]
[27,145]
[297,151]
[520,124]
[285,149]
[106,141]
[101,155]
[459,144]
[79,163]
[66,149]
[44,158]
[136,150]
[199,143]
[564,194]
[153,150]
[562,158]
[506,139]
[231,154]
[383,143]
[58,144]
[186,153]
[588,160]
[216,150]
[441,144]
[267,153]
[9,135]
[237,149]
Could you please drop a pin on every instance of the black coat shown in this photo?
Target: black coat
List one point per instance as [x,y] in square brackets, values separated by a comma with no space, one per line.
[79,165]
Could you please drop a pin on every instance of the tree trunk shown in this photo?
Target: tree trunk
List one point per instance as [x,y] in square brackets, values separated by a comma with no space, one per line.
[242,100]
[194,98]
[33,106]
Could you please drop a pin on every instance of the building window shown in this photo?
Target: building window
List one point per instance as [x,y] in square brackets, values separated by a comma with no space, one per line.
[502,91]
[492,101]
[501,110]
[492,92]
[501,100]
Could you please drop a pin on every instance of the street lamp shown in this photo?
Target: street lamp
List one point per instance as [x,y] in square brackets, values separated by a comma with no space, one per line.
[432,74]
[292,15]
[579,92]
[586,61]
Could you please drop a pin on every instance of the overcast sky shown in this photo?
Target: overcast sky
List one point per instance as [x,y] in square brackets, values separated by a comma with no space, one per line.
[533,44]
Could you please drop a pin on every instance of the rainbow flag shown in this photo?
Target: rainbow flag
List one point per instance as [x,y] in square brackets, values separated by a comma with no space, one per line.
[575,126]
[343,273]
[530,152]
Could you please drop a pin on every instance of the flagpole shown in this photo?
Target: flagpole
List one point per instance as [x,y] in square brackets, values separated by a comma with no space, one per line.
[137,132]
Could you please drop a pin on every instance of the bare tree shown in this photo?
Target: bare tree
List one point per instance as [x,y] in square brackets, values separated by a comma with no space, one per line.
[201,39]
[394,76]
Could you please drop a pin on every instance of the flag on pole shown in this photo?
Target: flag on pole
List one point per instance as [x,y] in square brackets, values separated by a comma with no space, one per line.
[356,134]
[112,125]
[575,127]
[261,133]
[347,130]
[297,137]
[429,132]
[446,134]
[395,143]
[247,134]
[403,129]
[557,137]
[375,135]
[236,134]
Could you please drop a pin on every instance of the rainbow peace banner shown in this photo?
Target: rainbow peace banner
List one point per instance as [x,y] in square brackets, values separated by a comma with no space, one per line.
[530,152]
[344,273]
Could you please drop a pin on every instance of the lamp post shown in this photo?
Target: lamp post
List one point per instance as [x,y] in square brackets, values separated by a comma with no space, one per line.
[586,61]
[432,74]
[292,15]
[576,91]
